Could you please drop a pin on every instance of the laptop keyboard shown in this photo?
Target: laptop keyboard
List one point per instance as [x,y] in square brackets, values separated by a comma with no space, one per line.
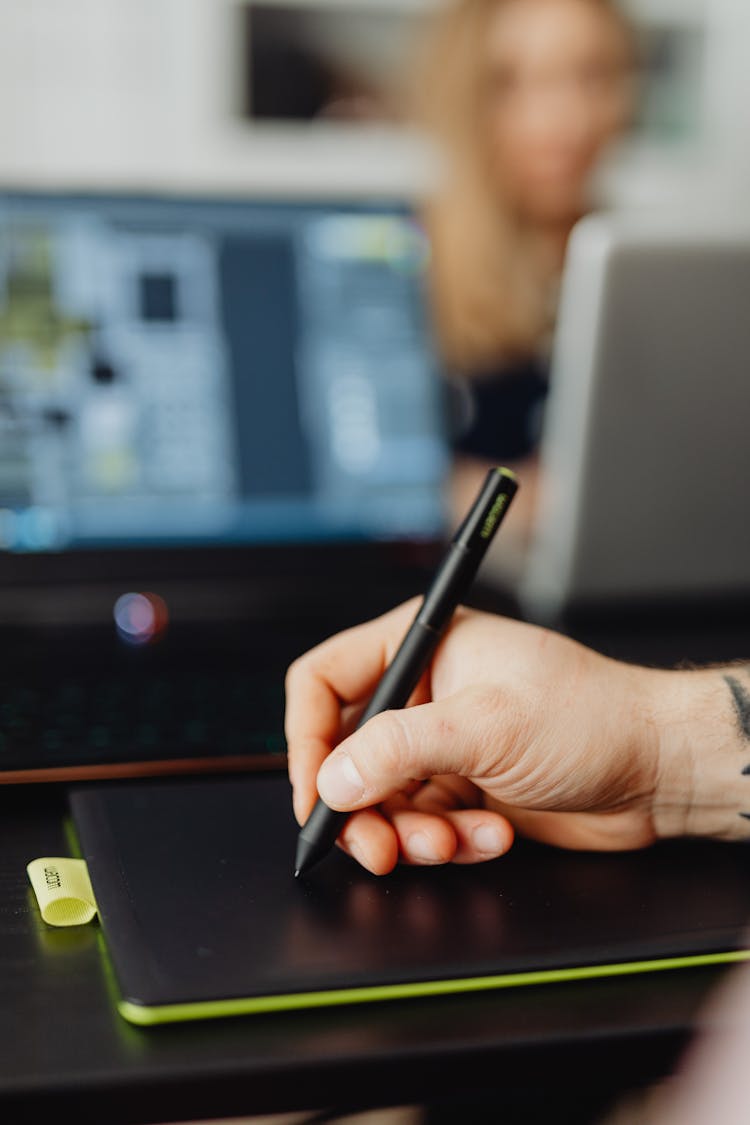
[98,719]
[79,703]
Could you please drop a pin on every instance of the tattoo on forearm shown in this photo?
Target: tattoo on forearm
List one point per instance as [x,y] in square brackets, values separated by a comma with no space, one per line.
[741,697]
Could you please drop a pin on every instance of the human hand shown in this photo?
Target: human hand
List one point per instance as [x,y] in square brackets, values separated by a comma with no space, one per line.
[513,727]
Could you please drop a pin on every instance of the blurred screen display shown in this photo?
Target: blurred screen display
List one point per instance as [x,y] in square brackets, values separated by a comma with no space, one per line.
[176,371]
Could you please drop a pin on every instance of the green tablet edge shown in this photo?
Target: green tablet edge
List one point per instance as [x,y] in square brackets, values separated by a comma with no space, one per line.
[145,1015]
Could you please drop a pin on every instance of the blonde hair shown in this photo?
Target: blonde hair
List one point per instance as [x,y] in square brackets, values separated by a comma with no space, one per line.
[490,287]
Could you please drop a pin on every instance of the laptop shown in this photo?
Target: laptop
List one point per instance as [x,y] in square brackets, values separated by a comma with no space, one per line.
[644,456]
[223,437]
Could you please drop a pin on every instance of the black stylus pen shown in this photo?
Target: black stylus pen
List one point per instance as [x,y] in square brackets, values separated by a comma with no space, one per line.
[449,587]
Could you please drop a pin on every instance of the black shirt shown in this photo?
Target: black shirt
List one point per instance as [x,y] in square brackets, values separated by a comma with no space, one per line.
[498,414]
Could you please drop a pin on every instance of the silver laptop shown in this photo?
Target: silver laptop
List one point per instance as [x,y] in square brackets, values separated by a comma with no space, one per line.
[645,453]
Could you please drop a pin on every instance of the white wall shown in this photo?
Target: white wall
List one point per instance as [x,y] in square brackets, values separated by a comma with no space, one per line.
[715,165]
[142,92]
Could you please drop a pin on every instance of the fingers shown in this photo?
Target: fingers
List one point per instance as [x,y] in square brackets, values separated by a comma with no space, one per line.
[422,837]
[395,747]
[480,835]
[342,671]
[371,840]
[378,841]
[444,793]
[434,824]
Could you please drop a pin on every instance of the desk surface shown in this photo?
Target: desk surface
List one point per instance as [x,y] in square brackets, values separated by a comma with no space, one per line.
[62,1043]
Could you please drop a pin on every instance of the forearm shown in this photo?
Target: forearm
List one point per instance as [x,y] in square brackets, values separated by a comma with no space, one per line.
[702,718]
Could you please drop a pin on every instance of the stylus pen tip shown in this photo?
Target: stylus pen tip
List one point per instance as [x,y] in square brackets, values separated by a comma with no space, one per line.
[297,873]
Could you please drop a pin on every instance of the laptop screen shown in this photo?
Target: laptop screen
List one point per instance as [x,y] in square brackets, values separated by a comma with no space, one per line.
[206,371]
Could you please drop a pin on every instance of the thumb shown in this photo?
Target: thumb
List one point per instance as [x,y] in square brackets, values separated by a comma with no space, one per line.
[397,747]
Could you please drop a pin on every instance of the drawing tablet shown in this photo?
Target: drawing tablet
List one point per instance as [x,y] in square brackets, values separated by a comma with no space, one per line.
[202,917]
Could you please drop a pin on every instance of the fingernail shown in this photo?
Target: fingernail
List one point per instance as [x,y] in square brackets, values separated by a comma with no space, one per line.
[419,846]
[339,781]
[487,840]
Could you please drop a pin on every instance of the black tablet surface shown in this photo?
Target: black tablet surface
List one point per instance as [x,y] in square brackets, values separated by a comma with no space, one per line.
[201,915]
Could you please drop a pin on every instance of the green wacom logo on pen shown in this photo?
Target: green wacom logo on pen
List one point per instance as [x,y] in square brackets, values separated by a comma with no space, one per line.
[493,516]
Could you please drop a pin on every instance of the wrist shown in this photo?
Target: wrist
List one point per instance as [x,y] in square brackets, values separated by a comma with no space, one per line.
[700,789]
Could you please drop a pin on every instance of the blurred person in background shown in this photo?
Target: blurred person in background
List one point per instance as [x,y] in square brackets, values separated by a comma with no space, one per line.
[523,98]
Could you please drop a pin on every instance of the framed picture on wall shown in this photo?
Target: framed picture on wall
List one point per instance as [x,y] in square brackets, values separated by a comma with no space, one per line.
[325,62]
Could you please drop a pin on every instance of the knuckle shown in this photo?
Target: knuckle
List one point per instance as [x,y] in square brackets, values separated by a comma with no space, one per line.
[328,663]
[313,657]
[304,668]
[446,730]
[500,727]
[293,673]
[391,744]
[487,701]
